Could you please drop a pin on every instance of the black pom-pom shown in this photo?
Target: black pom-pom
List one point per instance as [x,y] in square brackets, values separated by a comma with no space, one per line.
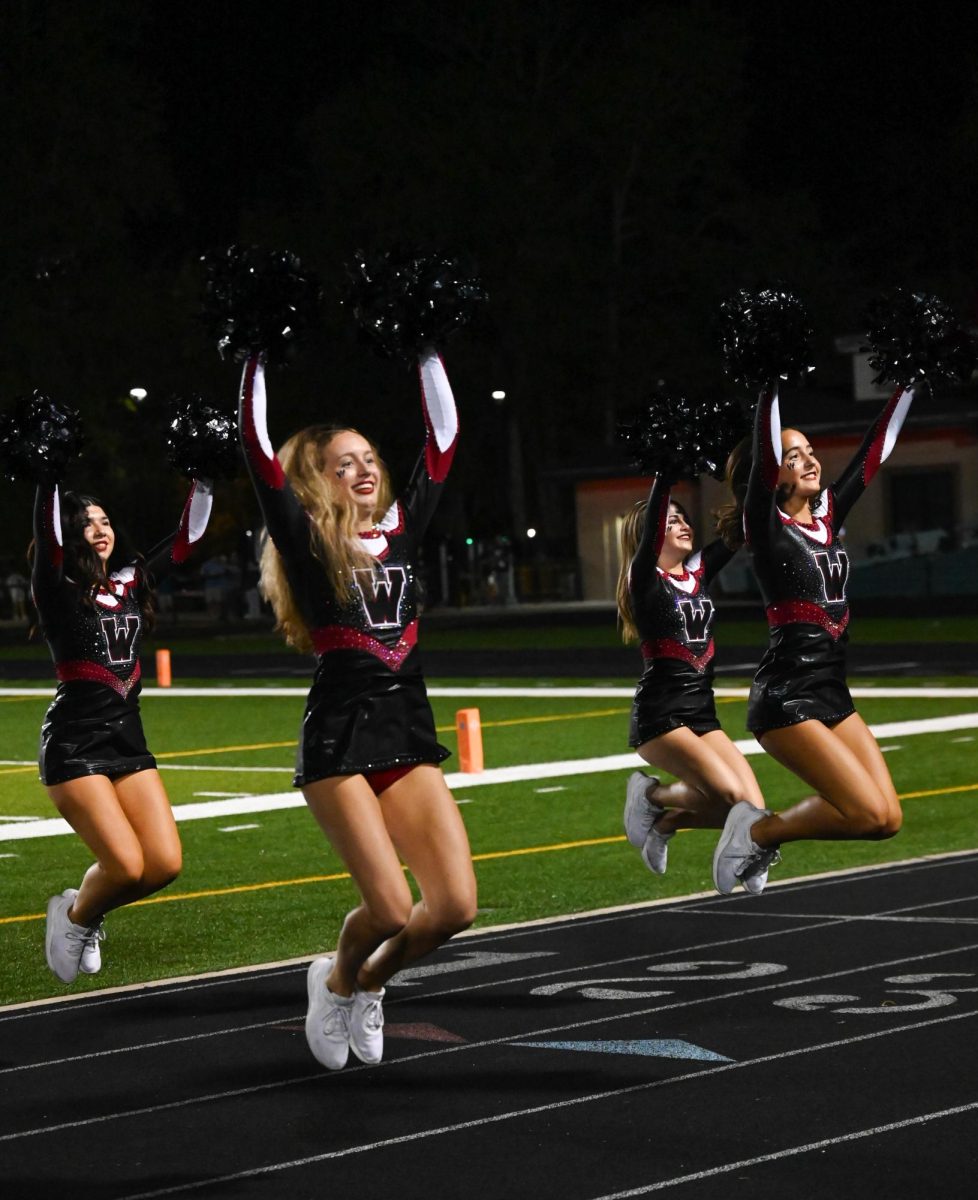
[38,439]
[202,441]
[405,301]
[915,336]
[678,439]
[258,302]
[765,337]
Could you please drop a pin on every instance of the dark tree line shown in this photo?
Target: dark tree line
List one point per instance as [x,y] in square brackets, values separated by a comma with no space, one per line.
[615,170]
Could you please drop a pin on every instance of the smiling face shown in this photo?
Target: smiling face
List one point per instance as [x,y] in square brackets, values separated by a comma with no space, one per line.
[678,540]
[98,532]
[350,463]
[800,474]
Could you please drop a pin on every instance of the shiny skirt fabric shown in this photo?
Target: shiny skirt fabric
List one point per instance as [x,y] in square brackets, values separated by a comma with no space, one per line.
[362,717]
[670,695]
[91,730]
[802,677]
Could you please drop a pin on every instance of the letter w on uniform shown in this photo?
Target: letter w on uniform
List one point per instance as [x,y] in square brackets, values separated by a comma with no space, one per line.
[835,575]
[119,634]
[381,591]
[696,615]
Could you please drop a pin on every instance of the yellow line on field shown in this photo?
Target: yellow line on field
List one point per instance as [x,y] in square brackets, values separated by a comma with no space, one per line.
[223,749]
[22,699]
[603,712]
[282,883]
[18,770]
[966,787]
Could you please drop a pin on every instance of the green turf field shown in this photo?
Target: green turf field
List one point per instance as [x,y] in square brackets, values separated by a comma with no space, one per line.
[265,886]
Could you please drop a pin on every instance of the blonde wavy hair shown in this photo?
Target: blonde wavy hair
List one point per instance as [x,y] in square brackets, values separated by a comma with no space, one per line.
[633,523]
[333,527]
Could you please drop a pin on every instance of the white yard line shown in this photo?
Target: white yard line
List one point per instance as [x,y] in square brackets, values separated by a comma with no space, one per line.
[55,827]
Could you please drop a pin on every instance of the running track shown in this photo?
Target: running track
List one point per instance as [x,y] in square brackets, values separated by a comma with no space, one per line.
[818,1041]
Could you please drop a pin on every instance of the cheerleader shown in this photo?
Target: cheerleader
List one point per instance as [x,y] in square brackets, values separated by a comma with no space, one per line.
[339,567]
[663,600]
[93,756]
[800,708]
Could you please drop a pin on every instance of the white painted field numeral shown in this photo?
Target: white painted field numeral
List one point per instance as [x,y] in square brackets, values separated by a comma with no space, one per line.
[941,997]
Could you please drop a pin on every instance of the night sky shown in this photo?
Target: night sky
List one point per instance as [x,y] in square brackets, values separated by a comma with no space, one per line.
[615,169]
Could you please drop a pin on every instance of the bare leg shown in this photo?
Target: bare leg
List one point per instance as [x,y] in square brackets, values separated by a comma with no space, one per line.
[855,794]
[128,825]
[426,827]
[712,776]
[350,815]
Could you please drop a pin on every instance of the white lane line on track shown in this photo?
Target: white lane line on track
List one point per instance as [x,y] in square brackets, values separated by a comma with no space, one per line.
[535,1110]
[56,827]
[791,1151]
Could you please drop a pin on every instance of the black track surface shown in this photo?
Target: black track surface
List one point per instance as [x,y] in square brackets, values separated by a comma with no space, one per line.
[818,1041]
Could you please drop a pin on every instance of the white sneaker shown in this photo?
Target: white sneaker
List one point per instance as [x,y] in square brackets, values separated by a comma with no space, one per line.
[327,1018]
[367,1025]
[640,813]
[63,939]
[736,850]
[656,850]
[90,962]
[754,874]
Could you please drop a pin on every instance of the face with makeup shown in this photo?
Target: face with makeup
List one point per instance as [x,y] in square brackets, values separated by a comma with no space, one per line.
[351,465]
[98,532]
[800,473]
[678,540]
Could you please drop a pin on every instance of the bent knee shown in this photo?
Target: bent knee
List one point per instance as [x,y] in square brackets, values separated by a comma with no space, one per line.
[453,915]
[878,823]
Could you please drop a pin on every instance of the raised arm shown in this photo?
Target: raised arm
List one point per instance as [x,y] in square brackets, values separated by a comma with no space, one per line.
[48,564]
[285,518]
[178,547]
[653,532]
[875,449]
[762,484]
[441,437]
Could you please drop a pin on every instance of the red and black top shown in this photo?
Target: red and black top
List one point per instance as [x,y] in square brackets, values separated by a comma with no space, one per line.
[803,569]
[673,613]
[100,643]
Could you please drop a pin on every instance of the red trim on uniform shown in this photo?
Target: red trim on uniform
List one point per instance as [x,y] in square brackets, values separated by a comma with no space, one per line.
[90,672]
[874,455]
[342,637]
[803,612]
[269,469]
[667,648]
[380,781]
[437,462]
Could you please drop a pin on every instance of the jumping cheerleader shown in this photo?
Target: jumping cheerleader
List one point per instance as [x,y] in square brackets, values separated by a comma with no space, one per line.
[93,756]
[340,571]
[663,600]
[800,708]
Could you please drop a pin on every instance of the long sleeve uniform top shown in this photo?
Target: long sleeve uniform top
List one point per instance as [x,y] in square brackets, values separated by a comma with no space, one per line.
[100,643]
[673,612]
[378,614]
[803,569]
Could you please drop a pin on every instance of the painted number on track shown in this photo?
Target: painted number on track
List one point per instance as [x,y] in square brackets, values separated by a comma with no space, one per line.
[917,998]
[626,987]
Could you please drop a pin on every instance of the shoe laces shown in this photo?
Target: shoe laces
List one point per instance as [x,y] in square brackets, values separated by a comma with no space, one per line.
[337,1020]
[94,934]
[759,860]
[373,1013]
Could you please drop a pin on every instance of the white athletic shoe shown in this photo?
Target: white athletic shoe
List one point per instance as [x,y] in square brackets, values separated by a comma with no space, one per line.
[736,850]
[90,962]
[754,874]
[64,941]
[327,1018]
[367,1025]
[656,850]
[640,813]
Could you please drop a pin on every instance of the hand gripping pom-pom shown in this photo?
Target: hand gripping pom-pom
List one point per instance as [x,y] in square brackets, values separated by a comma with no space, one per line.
[38,439]
[765,337]
[405,301]
[258,302]
[678,439]
[914,336]
[202,441]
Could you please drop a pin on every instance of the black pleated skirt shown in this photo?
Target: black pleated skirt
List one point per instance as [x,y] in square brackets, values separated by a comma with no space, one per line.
[670,695]
[802,677]
[361,717]
[92,730]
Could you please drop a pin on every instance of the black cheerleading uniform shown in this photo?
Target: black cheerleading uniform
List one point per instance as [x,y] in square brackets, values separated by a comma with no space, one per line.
[368,709]
[674,617]
[803,570]
[93,725]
